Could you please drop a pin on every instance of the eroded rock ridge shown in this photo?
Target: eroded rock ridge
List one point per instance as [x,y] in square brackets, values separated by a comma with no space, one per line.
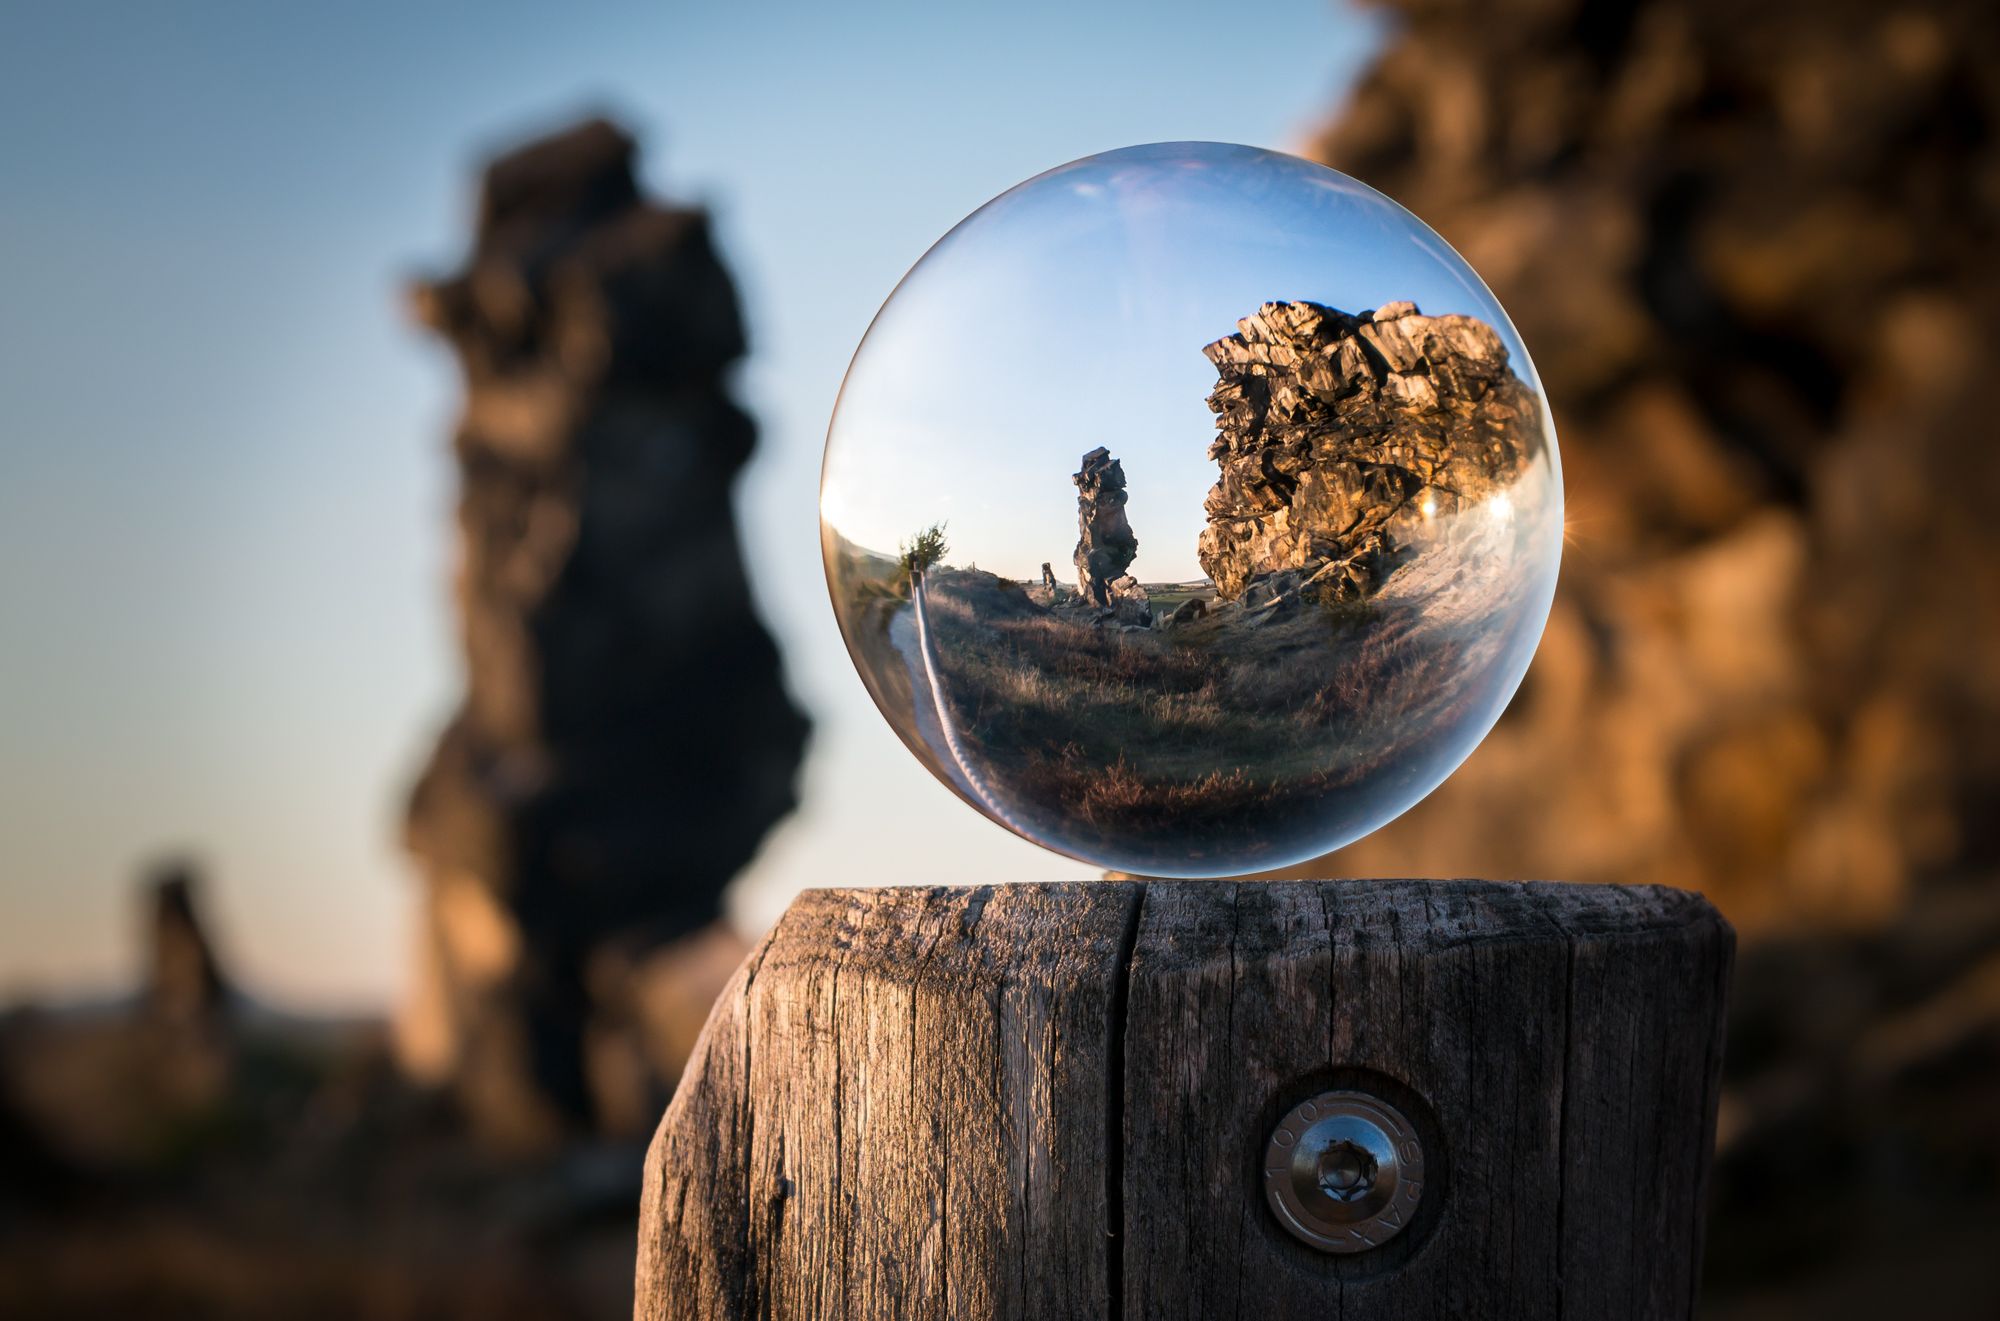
[1338,432]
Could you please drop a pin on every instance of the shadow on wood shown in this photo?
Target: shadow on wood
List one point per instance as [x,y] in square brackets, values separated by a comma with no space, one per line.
[1054,1100]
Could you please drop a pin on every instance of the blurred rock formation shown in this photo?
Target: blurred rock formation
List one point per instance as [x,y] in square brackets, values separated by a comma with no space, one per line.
[625,740]
[185,983]
[1337,430]
[1752,250]
[190,1151]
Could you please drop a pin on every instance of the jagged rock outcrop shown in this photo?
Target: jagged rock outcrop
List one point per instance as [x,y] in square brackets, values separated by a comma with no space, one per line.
[625,739]
[1337,430]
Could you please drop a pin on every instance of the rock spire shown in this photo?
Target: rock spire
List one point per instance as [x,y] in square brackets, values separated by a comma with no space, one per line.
[625,738]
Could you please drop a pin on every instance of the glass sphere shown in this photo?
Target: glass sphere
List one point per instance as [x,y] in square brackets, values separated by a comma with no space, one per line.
[1191,510]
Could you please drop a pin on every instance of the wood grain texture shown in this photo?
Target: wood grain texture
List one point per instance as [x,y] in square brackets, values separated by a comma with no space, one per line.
[1052,1101]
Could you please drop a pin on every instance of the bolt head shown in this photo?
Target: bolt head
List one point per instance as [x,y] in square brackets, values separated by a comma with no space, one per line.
[1344,1171]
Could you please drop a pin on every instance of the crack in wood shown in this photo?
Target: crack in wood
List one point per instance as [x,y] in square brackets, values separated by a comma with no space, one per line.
[1114,1112]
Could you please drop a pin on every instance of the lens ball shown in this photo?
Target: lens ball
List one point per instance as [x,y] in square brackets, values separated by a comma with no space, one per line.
[1191,509]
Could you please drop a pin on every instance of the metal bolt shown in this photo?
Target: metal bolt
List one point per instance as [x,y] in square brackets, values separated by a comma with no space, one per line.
[1347,1171]
[1344,1171]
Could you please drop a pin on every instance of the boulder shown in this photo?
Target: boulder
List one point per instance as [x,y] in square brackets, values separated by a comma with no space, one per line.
[1129,601]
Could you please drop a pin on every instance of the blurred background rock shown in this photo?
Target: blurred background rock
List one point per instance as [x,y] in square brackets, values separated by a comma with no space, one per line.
[1753,248]
[624,744]
[626,739]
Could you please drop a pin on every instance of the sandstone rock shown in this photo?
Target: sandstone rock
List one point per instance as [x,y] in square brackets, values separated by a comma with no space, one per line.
[1337,430]
[1105,545]
[625,739]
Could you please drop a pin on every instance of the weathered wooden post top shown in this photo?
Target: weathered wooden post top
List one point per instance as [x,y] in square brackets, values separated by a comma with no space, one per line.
[1196,1098]
[1203,1100]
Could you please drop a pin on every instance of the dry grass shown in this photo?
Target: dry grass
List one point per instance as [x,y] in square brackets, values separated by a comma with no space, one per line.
[1198,731]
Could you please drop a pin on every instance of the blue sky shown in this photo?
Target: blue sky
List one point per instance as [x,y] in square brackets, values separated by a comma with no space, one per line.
[224,487]
[1071,313]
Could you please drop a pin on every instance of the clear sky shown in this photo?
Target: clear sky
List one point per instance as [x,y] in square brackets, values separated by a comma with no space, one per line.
[224,487]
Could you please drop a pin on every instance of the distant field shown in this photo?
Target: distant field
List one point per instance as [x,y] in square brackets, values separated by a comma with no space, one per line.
[1165,596]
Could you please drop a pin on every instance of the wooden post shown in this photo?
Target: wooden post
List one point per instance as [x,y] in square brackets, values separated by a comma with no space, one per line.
[1056,1100]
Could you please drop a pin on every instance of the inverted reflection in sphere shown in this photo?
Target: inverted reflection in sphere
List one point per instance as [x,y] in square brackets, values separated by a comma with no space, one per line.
[1191,510]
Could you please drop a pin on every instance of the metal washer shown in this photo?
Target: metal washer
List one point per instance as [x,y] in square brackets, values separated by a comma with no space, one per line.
[1344,1171]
